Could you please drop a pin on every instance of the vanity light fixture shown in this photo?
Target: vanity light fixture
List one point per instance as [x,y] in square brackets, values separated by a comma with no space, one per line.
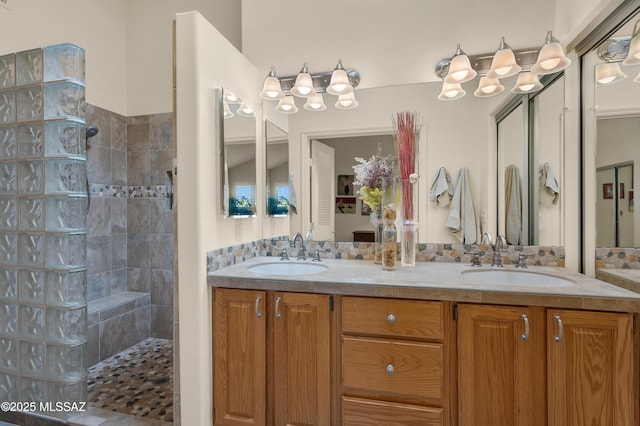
[528,82]
[488,87]
[287,105]
[230,97]
[303,87]
[339,84]
[272,88]
[504,62]
[227,111]
[460,69]
[245,110]
[451,91]
[609,73]
[633,57]
[315,103]
[347,101]
[551,58]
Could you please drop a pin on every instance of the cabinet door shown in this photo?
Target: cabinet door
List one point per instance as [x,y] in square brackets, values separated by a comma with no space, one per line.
[302,359]
[239,357]
[592,377]
[501,364]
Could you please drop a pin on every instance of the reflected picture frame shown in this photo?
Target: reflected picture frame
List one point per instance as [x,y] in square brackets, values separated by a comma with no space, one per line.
[607,191]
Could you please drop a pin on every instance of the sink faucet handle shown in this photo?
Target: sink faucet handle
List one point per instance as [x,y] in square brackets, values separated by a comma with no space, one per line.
[284,255]
[475,260]
[315,256]
[521,260]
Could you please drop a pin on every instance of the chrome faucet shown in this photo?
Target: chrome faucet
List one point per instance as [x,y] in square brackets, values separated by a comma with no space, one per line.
[298,236]
[499,246]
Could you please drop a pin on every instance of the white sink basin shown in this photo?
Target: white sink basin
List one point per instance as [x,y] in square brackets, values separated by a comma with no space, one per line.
[516,278]
[287,268]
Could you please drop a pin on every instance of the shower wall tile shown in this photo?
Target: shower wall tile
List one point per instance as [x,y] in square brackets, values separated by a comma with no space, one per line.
[138,168]
[99,217]
[93,344]
[161,131]
[161,251]
[139,279]
[99,164]
[119,252]
[159,163]
[138,218]
[161,218]
[98,286]
[138,254]
[117,334]
[8,70]
[118,215]
[118,281]
[138,136]
[118,167]
[162,287]
[118,132]
[143,322]
[162,322]
[99,250]
[8,139]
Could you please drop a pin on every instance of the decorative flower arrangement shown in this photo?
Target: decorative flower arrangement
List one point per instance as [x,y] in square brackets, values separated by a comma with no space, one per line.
[369,175]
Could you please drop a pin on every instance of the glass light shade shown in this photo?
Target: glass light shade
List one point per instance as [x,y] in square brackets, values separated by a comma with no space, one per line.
[315,103]
[287,105]
[230,97]
[460,70]
[451,91]
[339,84]
[246,110]
[347,101]
[488,87]
[503,64]
[303,86]
[551,58]
[227,111]
[633,58]
[271,88]
[609,73]
[527,82]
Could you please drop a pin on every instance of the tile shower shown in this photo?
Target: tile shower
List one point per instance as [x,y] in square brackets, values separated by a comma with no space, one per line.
[81,278]
[43,200]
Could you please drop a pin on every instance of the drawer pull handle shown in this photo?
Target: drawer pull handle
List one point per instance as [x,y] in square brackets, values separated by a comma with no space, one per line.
[525,319]
[258,313]
[391,319]
[390,369]
[560,335]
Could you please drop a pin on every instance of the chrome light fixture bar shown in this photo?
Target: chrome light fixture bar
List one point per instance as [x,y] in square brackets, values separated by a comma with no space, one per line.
[320,81]
[526,58]
[615,49]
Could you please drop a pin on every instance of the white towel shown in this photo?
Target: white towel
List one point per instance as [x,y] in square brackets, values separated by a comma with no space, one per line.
[549,190]
[513,205]
[292,196]
[462,220]
[441,192]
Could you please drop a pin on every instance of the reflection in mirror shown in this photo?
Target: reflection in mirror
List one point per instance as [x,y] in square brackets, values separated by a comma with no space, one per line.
[277,170]
[617,152]
[240,189]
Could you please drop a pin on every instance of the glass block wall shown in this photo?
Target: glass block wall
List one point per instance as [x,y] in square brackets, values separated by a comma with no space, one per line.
[43,208]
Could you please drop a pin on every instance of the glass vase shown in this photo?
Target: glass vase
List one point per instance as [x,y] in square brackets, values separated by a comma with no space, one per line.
[377,223]
[389,246]
[409,231]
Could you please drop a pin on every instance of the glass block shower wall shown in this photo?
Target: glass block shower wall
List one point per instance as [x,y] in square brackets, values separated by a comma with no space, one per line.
[43,206]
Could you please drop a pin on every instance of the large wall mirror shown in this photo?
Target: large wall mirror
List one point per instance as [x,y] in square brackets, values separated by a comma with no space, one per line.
[277,170]
[530,142]
[239,157]
[617,149]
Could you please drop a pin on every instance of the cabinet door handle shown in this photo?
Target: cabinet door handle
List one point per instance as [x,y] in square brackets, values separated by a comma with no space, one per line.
[525,319]
[258,313]
[278,314]
[391,319]
[560,335]
[390,369]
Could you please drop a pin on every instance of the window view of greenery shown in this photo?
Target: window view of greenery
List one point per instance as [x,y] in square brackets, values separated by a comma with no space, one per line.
[278,204]
[243,203]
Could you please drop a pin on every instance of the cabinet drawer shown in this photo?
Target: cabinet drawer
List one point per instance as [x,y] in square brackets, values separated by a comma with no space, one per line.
[392,317]
[365,412]
[391,369]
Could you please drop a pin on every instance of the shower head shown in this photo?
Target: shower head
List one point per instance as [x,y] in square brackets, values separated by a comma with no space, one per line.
[91,132]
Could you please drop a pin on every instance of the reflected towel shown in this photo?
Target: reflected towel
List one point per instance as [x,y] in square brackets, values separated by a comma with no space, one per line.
[549,190]
[441,192]
[513,205]
[292,196]
[462,220]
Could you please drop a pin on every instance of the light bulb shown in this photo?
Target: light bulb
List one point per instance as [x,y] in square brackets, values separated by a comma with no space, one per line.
[527,87]
[488,88]
[451,93]
[550,63]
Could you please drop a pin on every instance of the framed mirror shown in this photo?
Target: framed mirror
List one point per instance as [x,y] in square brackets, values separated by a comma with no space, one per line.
[276,170]
[239,157]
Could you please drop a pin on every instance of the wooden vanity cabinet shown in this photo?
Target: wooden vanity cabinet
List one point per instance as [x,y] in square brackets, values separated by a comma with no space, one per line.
[271,358]
[394,362]
[593,368]
[501,365]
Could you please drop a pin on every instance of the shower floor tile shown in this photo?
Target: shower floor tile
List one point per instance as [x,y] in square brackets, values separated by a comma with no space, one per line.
[137,381]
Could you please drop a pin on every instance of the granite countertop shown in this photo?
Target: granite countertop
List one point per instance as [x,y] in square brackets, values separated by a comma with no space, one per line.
[435,281]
